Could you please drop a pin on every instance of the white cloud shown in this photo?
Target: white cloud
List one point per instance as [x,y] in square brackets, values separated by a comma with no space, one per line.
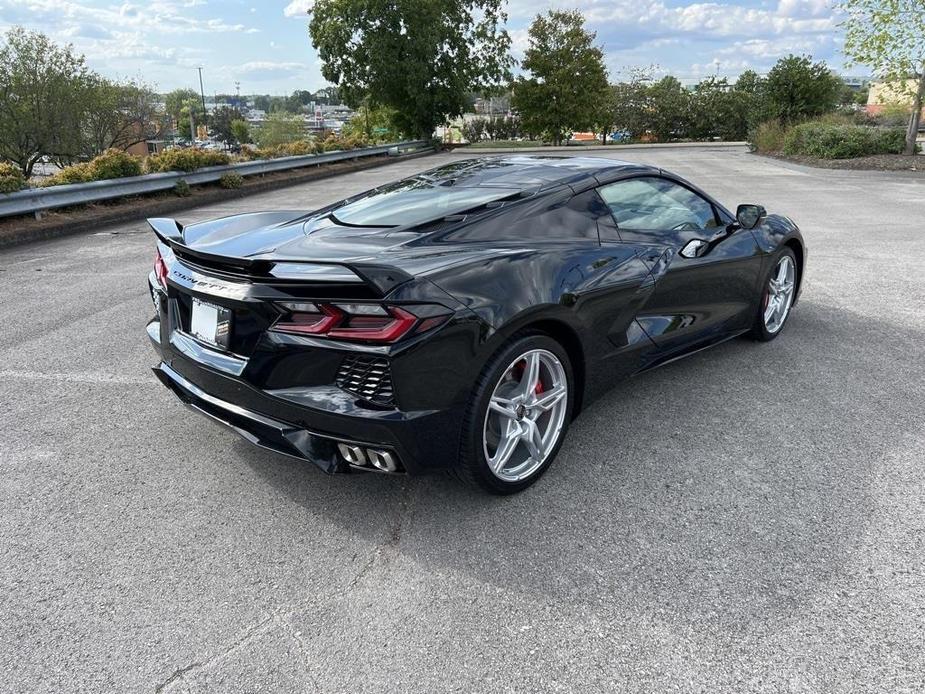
[717,67]
[631,22]
[299,8]
[804,8]
[166,16]
[263,70]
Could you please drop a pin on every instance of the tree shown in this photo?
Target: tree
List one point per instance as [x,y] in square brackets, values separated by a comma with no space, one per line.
[567,81]
[473,129]
[327,95]
[177,100]
[280,104]
[419,58]
[718,110]
[298,101]
[241,131]
[797,89]
[179,104]
[707,102]
[631,105]
[280,128]
[42,88]
[749,89]
[670,105]
[118,115]
[376,124]
[190,110]
[221,120]
[889,36]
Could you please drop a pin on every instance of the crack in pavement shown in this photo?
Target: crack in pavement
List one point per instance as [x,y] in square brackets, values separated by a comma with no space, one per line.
[393,539]
[177,674]
[278,617]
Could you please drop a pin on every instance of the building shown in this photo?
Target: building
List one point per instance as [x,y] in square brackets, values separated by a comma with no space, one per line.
[884,95]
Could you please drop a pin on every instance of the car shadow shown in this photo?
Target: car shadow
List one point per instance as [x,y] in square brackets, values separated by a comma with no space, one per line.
[741,475]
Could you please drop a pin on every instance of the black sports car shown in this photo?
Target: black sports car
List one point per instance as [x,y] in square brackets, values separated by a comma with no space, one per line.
[458,319]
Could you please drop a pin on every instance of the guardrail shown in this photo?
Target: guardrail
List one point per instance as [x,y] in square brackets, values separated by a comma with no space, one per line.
[36,200]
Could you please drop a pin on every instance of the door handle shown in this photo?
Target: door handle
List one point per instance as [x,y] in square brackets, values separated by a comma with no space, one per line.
[698,247]
[694,248]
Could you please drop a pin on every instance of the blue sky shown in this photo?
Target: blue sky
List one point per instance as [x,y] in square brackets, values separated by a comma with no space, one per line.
[265,45]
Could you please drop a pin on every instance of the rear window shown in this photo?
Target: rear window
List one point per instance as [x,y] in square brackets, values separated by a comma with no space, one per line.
[414,202]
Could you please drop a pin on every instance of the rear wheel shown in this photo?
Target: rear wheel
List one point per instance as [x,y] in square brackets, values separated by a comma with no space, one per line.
[518,415]
[777,296]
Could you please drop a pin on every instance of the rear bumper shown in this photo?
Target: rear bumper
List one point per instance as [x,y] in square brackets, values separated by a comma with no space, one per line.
[261,431]
[307,423]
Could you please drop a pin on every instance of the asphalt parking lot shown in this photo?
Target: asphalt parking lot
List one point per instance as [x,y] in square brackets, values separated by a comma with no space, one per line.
[750,519]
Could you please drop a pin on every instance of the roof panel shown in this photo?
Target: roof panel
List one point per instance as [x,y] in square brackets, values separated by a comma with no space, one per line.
[522,171]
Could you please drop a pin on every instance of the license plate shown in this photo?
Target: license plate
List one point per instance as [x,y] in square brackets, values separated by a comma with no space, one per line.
[210,323]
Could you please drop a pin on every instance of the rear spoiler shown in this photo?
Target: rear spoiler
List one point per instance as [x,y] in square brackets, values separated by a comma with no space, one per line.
[382,278]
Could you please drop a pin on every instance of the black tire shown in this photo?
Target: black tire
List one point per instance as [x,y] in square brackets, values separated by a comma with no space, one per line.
[759,330]
[472,467]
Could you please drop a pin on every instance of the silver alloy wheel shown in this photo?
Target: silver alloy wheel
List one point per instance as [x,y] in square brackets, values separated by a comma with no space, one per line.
[779,296]
[525,415]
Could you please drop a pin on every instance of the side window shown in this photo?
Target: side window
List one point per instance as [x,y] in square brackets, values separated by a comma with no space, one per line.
[657,204]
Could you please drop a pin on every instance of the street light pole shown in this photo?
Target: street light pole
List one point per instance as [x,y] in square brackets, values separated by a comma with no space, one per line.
[202,92]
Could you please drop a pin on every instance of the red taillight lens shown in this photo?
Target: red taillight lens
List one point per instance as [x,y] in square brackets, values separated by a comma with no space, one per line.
[376,328]
[160,270]
[317,320]
[356,322]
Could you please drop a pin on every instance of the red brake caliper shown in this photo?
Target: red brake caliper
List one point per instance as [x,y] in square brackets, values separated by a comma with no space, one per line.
[538,388]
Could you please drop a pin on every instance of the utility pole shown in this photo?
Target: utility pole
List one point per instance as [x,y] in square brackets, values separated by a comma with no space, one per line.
[202,91]
[237,94]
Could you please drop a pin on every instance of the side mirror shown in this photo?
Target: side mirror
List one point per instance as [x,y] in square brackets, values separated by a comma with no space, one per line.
[748,216]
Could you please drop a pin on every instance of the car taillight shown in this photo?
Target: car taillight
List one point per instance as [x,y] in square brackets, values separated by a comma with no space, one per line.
[357,322]
[160,270]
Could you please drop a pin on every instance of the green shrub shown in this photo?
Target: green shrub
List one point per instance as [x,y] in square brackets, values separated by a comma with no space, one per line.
[891,140]
[295,149]
[231,180]
[767,137]
[185,160]
[302,147]
[288,149]
[11,178]
[181,189]
[113,163]
[832,141]
[76,173]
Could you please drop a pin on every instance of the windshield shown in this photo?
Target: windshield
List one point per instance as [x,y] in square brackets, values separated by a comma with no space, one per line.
[415,201]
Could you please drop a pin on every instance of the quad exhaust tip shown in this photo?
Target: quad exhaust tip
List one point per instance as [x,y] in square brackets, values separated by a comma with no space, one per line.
[360,457]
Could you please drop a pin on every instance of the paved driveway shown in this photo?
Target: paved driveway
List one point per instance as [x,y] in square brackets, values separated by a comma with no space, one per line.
[749,519]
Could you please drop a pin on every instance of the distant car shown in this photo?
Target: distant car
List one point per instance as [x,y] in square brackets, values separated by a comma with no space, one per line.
[461,318]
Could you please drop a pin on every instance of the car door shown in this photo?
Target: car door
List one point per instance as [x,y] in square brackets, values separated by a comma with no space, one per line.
[697,300]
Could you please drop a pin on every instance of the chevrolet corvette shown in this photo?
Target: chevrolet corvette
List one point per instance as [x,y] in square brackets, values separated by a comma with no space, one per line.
[461,318]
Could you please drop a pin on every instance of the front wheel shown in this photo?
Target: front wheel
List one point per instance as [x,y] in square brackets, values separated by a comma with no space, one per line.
[518,415]
[777,296]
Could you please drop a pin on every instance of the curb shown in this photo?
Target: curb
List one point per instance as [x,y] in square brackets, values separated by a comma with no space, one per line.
[575,149]
[92,219]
